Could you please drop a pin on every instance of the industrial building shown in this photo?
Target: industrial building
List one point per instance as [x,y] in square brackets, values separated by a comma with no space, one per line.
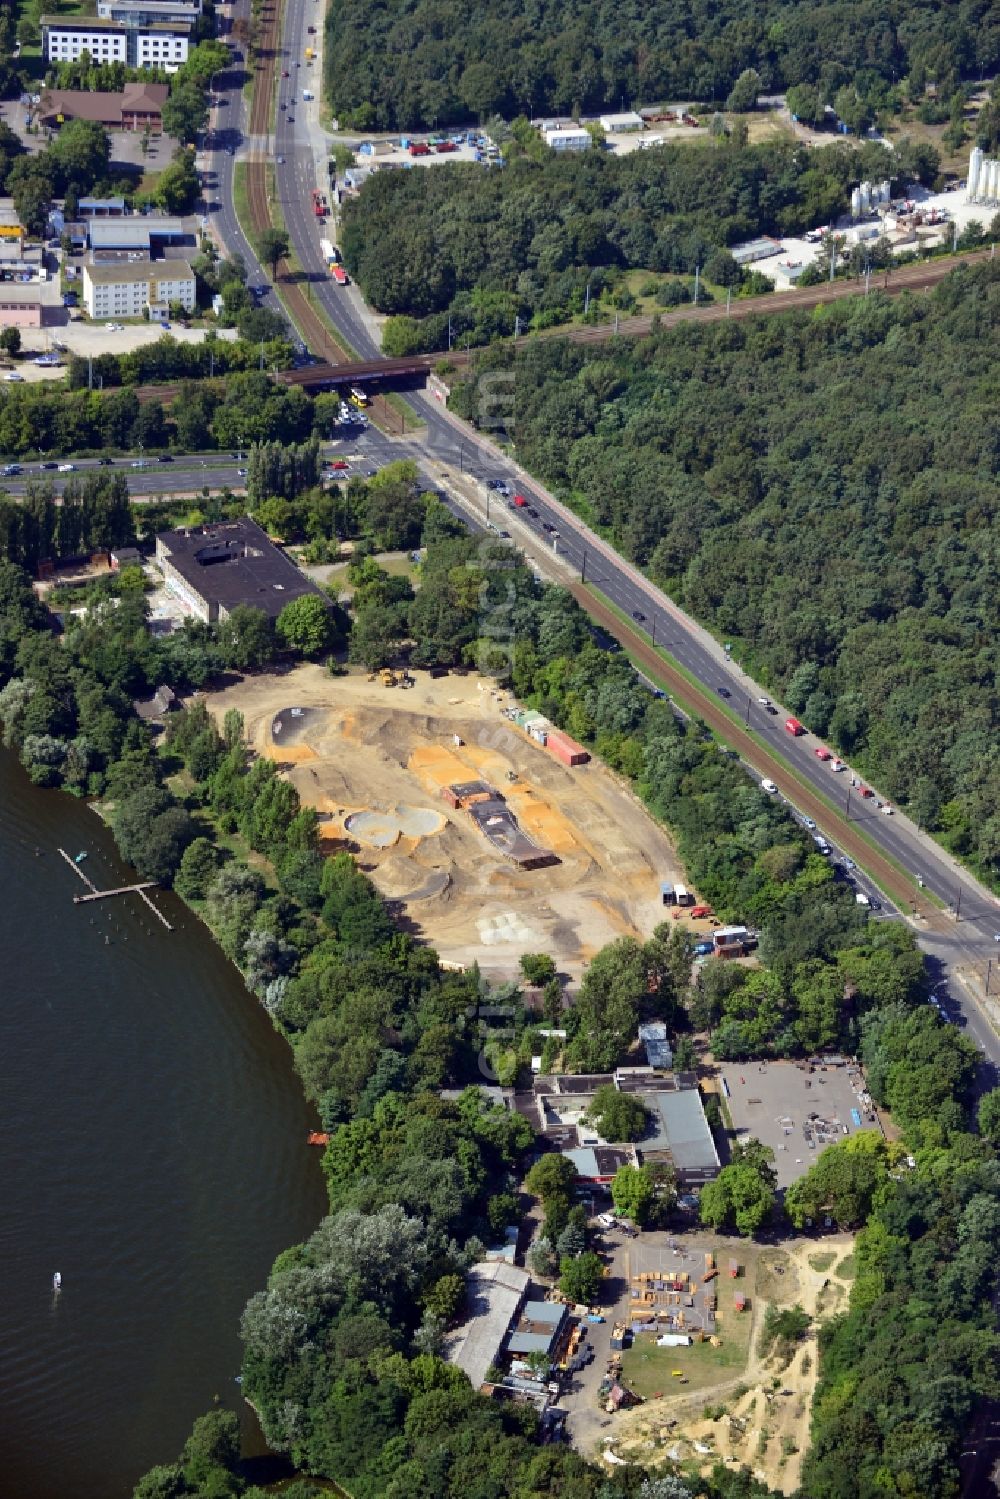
[756,249]
[539,1328]
[677,1130]
[139,234]
[159,44]
[139,106]
[215,568]
[622,123]
[133,288]
[495,1295]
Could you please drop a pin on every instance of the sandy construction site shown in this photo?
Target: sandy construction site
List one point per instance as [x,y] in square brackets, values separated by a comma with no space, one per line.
[375,761]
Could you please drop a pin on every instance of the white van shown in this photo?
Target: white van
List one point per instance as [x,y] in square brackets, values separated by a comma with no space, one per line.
[768,786]
[861,898]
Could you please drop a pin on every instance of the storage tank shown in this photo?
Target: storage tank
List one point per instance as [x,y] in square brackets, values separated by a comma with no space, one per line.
[975,169]
[856,203]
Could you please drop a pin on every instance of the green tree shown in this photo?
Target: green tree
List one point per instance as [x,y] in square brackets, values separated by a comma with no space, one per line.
[989,1116]
[552,1175]
[618,1117]
[272,246]
[197,869]
[305,625]
[841,1183]
[744,1191]
[580,1278]
[538,968]
[152,833]
[743,95]
[178,185]
[632,1192]
[10,341]
[246,638]
[185,112]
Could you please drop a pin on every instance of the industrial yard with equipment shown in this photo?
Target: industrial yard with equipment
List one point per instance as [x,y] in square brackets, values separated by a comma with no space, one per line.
[487,842]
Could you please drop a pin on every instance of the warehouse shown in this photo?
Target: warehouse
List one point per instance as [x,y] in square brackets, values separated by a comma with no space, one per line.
[495,1295]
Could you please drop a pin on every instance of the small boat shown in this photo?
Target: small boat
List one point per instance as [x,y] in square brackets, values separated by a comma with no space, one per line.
[317,1137]
[80,857]
[57,1282]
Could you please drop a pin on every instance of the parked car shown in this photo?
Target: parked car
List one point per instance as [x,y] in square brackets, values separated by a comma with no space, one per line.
[768,786]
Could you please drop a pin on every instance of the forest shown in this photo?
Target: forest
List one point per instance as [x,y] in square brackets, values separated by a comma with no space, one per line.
[463,251]
[401,64]
[342,1346]
[820,491]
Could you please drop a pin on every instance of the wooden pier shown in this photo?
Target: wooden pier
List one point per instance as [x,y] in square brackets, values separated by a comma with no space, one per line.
[95,894]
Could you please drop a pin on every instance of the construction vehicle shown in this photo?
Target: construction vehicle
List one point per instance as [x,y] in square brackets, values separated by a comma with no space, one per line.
[512,775]
[406,680]
[387,677]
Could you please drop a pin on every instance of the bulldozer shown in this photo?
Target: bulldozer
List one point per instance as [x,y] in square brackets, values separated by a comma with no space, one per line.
[387,677]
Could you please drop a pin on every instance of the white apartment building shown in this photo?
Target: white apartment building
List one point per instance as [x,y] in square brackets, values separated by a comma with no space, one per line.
[131,288]
[159,44]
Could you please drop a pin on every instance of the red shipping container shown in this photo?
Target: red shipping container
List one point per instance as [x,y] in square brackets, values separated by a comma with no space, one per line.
[566,749]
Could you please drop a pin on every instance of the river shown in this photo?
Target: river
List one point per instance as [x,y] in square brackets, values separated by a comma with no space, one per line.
[152,1150]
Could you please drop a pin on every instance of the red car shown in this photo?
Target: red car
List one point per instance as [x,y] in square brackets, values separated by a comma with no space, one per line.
[340,463]
[520,501]
[865,791]
[823,754]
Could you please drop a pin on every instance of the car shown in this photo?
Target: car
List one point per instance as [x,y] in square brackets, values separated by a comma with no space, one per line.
[837,764]
[875,904]
[861,899]
[772,710]
[370,473]
[887,811]
[47,465]
[231,151]
[821,844]
[11,469]
[807,822]
[290,119]
[285,73]
[547,526]
[241,473]
[702,949]
[723,691]
[105,462]
[281,161]
[140,463]
[848,864]
[764,701]
[504,535]
[822,754]
[311,30]
[340,463]
[165,458]
[768,786]
[866,792]
[533,512]
[67,468]
[13,378]
[638,616]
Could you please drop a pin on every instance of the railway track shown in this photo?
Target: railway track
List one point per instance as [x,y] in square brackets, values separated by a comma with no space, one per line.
[904,278]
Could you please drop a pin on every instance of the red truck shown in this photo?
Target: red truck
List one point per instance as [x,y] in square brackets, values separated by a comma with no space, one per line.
[419,149]
[339,275]
[794,727]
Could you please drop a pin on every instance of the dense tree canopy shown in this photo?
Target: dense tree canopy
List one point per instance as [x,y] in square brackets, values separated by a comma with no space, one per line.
[404,63]
[818,489]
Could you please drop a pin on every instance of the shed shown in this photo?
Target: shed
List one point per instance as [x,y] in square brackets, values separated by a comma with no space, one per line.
[618,124]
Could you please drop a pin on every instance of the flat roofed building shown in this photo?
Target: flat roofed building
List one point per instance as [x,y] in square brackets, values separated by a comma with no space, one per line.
[618,124]
[567,138]
[495,1295]
[538,1327]
[215,568]
[139,13]
[139,231]
[130,288]
[160,44]
[102,208]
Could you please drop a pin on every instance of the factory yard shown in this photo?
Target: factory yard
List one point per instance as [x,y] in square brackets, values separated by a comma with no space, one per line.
[736,1401]
[375,762]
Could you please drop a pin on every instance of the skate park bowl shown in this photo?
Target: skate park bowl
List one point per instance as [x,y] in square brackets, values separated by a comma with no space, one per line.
[379,829]
[418,822]
[383,829]
[288,725]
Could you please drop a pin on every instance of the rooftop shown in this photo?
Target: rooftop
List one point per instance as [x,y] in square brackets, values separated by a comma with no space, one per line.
[233,563]
[81,104]
[138,270]
[94,23]
[680,1128]
[496,1292]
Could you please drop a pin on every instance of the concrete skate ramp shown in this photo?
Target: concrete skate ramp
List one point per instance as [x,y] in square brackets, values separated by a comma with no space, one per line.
[418,822]
[379,829]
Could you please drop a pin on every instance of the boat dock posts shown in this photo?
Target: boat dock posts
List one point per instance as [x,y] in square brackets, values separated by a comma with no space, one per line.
[95,894]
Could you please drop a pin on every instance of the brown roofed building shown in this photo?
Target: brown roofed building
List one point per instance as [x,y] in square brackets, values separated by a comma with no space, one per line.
[138,106]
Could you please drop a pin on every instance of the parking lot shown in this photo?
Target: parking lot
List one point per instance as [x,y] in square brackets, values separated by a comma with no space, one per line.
[797,1109]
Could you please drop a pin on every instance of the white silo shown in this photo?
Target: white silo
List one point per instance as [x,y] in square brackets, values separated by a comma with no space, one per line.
[975,172]
[856,203]
[884,191]
[993,183]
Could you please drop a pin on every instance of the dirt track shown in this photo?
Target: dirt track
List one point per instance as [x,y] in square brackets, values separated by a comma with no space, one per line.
[896,885]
